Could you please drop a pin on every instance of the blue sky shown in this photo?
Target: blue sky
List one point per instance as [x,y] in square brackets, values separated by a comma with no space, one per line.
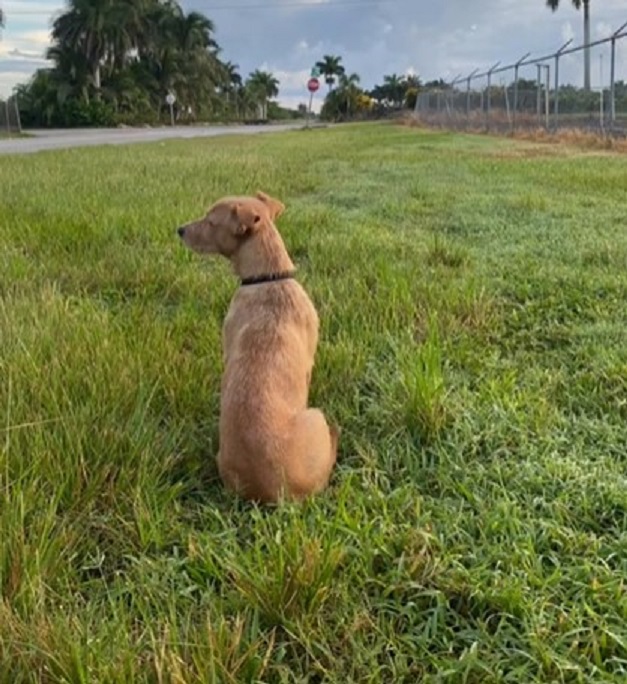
[432,38]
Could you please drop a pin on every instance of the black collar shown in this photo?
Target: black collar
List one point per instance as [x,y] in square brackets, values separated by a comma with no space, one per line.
[269,278]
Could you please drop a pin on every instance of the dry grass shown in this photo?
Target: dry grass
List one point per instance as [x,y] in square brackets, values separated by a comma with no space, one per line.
[574,137]
[568,137]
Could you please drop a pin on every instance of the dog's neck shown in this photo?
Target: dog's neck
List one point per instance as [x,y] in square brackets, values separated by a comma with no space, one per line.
[262,254]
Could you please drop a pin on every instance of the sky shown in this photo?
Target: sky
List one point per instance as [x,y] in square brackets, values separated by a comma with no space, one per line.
[431,38]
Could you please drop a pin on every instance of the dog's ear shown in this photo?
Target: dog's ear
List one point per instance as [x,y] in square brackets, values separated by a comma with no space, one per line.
[275,207]
[245,219]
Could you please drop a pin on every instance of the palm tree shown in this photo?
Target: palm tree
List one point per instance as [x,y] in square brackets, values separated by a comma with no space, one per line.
[350,88]
[128,54]
[40,98]
[89,27]
[578,4]
[412,81]
[330,67]
[246,101]
[125,35]
[231,82]
[177,52]
[195,31]
[394,89]
[72,71]
[264,86]
[232,75]
[2,20]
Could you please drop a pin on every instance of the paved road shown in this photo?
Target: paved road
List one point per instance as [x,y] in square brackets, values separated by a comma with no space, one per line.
[60,139]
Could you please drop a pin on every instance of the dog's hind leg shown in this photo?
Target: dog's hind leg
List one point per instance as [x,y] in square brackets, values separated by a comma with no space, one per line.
[313,450]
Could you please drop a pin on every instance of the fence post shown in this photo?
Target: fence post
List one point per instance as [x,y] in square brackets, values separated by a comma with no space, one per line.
[516,68]
[449,96]
[489,98]
[539,92]
[547,94]
[617,34]
[556,106]
[468,81]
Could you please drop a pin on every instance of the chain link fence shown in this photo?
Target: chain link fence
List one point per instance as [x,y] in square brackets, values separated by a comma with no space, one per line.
[531,93]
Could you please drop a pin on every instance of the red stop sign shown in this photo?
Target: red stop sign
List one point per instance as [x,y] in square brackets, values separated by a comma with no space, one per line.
[313,84]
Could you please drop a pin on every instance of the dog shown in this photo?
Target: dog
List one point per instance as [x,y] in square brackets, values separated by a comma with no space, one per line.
[272,447]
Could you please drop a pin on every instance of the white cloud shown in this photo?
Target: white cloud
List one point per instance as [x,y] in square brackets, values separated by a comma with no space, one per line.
[8,79]
[33,43]
[603,29]
[289,80]
[36,56]
[567,32]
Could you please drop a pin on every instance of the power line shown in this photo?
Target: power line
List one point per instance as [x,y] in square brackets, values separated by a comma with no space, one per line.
[309,4]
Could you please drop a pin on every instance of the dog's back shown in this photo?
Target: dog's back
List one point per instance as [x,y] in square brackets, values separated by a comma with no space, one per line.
[270,339]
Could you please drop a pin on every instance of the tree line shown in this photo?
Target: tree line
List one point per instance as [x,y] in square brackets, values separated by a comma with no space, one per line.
[114,61]
[346,99]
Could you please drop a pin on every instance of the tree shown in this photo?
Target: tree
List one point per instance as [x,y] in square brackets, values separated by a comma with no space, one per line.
[345,101]
[247,101]
[330,68]
[179,52]
[412,81]
[88,27]
[2,19]
[578,4]
[231,83]
[437,83]
[394,89]
[412,85]
[114,61]
[263,86]
[232,77]
[349,87]
[72,73]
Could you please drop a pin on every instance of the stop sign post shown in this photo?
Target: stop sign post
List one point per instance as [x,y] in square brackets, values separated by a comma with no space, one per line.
[312,86]
[170,100]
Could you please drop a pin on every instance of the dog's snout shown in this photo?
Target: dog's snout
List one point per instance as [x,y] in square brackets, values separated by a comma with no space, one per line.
[181,231]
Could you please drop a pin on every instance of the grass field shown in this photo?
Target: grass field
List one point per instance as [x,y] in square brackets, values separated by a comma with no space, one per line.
[473,301]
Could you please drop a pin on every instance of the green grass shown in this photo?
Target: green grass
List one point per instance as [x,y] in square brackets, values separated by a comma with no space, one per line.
[473,301]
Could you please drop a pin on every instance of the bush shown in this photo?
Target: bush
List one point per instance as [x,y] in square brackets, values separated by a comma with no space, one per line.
[81,114]
[278,113]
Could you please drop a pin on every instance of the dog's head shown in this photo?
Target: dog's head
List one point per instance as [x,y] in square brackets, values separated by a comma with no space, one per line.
[229,222]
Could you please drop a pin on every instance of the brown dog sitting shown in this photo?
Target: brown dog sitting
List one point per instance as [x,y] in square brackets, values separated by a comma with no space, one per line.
[271,445]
